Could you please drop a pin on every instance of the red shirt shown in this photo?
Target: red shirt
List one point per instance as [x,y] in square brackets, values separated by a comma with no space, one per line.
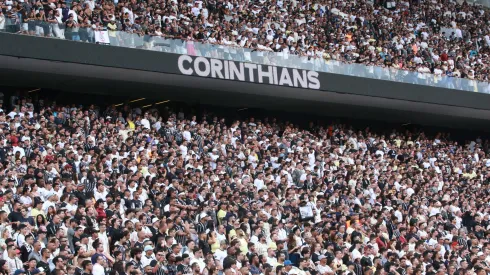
[381,243]
[444,57]
[48,158]
[14,140]
[101,213]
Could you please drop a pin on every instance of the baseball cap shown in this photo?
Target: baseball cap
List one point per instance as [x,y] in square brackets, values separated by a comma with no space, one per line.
[148,248]
[19,271]
[287,262]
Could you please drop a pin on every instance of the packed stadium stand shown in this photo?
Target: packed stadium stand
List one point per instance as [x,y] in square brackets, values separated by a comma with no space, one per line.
[144,187]
[283,137]
[445,38]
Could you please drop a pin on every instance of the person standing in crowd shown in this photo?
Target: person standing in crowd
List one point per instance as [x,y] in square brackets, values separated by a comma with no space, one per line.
[13,261]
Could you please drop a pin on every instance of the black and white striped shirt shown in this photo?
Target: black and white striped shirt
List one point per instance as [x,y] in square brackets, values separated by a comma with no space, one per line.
[358,269]
[28,150]
[198,138]
[162,270]
[148,218]
[121,248]
[88,146]
[138,265]
[463,242]
[200,228]
[169,134]
[178,137]
[89,185]
[181,239]
[184,269]
[392,229]
[172,269]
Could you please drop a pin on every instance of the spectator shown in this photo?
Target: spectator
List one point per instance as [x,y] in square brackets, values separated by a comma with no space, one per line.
[13,261]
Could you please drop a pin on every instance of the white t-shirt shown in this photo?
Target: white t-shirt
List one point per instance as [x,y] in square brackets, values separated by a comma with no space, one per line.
[431,242]
[259,184]
[356,254]
[145,123]
[98,269]
[220,237]
[220,255]
[20,239]
[12,114]
[187,135]
[100,196]
[14,264]
[324,269]
[70,207]
[196,11]
[200,262]
[145,260]
[272,261]
[46,206]
[183,150]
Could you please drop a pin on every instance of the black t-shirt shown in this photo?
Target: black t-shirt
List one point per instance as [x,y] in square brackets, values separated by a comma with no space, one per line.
[108,183]
[228,261]
[138,244]
[79,271]
[136,204]
[314,257]
[44,266]
[25,251]
[156,236]
[366,261]
[116,234]
[81,196]
[75,240]
[29,220]
[109,213]
[15,217]
[206,249]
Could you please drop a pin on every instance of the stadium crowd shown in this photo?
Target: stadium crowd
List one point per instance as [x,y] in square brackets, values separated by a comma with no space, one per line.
[87,190]
[440,37]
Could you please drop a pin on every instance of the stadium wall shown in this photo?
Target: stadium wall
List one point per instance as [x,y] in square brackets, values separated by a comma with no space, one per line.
[49,62]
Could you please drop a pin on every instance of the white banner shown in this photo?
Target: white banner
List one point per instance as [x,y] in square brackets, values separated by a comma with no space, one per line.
[102,37]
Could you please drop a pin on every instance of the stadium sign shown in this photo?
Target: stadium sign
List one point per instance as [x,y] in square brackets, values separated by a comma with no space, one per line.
[248,72]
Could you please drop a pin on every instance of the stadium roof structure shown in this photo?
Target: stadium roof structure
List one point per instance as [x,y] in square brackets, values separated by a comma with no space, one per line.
[90,68]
